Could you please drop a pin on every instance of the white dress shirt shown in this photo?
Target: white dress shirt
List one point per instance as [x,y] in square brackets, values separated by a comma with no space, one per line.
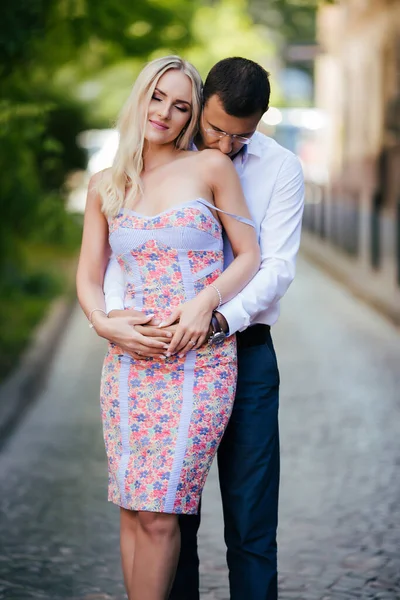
[273,185]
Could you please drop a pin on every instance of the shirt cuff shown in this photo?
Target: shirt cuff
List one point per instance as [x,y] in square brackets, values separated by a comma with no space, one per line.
[235,316]
[114,303]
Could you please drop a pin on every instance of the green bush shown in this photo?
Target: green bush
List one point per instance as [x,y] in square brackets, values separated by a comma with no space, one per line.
[45,272]
[38,236]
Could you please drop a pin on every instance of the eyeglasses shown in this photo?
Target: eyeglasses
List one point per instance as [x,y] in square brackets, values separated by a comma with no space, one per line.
[218,135]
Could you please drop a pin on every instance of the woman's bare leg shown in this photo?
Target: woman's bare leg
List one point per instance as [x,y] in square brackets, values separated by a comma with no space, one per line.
[156,556]
[128,526]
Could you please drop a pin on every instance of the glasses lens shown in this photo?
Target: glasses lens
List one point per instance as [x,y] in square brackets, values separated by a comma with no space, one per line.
[214,134]
[243,140]
[220,134]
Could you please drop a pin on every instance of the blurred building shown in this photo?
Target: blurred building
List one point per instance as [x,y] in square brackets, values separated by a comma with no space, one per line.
[352,222]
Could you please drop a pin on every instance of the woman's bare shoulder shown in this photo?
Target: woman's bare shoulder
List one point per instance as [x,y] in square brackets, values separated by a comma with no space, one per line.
[215,166]
[215,161]
[94,196]
[99,177]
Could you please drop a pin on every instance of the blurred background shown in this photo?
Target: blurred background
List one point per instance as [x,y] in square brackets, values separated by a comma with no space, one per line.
[66,67]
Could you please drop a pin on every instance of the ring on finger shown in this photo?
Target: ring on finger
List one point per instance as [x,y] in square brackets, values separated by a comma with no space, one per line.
[192,342]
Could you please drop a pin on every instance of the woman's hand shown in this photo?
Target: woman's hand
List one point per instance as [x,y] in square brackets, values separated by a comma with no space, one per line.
[149,329]
[121,331]
[194,323]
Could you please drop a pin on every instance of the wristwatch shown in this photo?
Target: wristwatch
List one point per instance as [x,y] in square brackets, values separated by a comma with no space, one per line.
[217,336]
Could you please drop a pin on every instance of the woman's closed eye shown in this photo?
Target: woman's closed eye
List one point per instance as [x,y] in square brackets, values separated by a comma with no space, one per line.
[180,108]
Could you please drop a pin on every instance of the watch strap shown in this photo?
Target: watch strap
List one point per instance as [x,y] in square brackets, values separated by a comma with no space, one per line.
[215,324]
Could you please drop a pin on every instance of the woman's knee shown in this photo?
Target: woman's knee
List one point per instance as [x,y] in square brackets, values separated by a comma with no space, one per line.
[158,524]
[128,518]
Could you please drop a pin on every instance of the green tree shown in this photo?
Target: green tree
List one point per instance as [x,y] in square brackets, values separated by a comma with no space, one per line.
[216,30]
[41,113]
[37,118]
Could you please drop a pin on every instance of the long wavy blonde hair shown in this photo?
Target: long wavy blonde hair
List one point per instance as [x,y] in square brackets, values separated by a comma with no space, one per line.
[123,182]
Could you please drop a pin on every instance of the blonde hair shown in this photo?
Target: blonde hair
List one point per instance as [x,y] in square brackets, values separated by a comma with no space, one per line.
[128,162]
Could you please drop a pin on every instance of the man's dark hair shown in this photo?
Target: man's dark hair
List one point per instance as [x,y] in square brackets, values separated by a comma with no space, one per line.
[242,85]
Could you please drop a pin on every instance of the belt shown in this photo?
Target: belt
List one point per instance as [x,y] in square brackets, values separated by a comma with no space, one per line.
[253,336]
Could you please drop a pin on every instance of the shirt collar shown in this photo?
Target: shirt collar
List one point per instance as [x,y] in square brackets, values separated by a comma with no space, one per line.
[251,149]
[254,147]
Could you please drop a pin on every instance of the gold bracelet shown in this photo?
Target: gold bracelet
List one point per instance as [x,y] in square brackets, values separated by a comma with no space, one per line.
[90,316]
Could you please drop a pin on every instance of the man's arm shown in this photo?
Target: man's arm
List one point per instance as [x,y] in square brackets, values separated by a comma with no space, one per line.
[113,286]
[279,243]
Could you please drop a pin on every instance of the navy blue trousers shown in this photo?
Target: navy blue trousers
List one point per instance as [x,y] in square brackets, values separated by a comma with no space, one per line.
[248,465]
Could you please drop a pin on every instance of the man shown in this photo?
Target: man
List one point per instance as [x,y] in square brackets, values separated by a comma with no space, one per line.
[236,95]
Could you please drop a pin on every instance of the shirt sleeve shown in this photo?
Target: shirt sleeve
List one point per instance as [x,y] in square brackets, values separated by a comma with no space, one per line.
[114,286]
[279,242]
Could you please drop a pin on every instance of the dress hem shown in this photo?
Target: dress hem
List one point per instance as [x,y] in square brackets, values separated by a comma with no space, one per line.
[143,509]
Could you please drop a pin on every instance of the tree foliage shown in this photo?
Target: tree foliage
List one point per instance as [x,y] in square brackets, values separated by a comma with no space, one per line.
[39,120]
[293,21]
[41,113]
[55,31]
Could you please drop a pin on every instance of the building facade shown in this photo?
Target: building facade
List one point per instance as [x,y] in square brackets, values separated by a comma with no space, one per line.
[352,221]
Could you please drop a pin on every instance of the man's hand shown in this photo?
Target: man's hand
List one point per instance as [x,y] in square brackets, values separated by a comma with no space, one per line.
[152,330]
[149,329]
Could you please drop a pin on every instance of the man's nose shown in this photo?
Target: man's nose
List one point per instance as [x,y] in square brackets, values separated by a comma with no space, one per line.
[225,144]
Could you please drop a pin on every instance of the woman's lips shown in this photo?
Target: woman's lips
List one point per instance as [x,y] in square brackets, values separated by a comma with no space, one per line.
[158,125]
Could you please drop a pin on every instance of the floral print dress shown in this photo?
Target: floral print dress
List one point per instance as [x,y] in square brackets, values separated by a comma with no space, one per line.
[163,418]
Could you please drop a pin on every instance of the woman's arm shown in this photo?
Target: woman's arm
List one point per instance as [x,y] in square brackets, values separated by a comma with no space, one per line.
[94,255]
[228,196]
[194,316]
[95,252]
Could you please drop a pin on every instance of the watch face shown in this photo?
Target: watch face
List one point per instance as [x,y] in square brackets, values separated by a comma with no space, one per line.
[218,338]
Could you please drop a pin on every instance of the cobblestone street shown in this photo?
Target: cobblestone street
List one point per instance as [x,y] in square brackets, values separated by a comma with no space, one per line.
[339,535]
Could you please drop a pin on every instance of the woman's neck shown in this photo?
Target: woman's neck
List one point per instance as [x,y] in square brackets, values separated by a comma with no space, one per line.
[156,155]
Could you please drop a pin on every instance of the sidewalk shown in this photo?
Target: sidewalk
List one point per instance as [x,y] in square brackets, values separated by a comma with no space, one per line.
[379,289]
[18,391]
[339,534]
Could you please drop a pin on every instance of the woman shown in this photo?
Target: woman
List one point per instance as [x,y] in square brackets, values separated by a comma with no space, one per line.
[163,418]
